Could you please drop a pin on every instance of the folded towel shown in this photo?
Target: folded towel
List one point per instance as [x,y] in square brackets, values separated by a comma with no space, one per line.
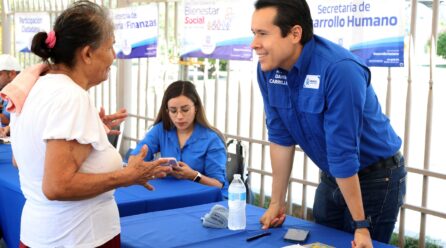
[216,218]
[17,91]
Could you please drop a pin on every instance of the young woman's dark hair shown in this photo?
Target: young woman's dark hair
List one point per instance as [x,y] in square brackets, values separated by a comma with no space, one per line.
[289,14]
[83,24]
[187,89]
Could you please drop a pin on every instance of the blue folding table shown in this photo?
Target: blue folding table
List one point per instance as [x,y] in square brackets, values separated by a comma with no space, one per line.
[169,193]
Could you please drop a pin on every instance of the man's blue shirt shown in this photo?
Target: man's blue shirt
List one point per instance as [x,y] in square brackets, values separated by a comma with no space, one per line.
[204,151]
[327,106]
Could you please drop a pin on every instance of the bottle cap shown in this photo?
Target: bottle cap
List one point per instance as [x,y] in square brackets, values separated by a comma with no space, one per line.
[237,176]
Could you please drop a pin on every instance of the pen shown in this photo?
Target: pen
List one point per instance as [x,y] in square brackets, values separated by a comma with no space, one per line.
[258,236]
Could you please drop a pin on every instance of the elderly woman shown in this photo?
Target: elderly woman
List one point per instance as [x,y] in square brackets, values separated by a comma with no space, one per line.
[68,169]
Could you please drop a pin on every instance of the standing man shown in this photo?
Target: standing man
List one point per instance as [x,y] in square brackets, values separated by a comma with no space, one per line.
[9,68]
[318,95]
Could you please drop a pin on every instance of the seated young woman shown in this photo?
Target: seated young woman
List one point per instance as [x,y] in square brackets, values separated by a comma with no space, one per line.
[182,131]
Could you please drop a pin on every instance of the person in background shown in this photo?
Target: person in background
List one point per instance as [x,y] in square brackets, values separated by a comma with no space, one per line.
[318,95]
[9,69]
[68,169]
[181,130]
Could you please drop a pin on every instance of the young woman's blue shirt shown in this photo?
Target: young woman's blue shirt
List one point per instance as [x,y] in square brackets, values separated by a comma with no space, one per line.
[204,151]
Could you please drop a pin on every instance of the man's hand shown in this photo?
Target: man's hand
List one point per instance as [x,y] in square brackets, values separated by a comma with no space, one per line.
[113,120]
[273,217]
[362,239]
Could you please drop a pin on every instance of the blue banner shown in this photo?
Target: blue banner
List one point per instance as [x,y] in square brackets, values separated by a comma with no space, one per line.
[373,30]
[217,29]
[136,31]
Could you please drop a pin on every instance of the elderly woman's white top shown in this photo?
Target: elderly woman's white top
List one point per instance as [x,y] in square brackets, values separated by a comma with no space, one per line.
[58,108]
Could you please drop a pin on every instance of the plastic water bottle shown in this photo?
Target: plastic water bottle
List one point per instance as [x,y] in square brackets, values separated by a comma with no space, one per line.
[237,204]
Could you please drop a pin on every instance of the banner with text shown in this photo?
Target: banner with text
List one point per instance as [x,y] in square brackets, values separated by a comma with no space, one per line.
[136,31]
[373,30]
[26,26]
[217,29]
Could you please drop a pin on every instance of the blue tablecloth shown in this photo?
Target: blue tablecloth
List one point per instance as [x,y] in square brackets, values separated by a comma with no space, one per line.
[169,193]
[182,227]
[5,154]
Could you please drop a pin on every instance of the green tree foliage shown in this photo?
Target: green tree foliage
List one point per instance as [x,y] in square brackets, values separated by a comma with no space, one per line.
[441,45]
[410,242]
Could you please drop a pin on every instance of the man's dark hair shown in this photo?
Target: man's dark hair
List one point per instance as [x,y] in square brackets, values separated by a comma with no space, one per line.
[289,14]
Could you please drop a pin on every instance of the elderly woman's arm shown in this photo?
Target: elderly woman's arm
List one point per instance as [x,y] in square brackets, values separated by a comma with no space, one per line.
[63,181]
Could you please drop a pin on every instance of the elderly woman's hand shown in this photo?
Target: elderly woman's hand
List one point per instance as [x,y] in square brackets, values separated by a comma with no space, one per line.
[142,171]
[113,120]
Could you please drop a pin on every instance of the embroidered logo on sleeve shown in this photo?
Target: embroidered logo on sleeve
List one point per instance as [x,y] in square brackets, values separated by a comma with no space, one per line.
[312,81]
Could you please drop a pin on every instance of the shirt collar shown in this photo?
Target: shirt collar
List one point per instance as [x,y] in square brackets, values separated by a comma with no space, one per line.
[304,59]
[197,133]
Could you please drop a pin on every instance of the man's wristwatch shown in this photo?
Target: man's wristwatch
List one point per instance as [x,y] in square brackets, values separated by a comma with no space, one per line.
[197,177]
[361,223]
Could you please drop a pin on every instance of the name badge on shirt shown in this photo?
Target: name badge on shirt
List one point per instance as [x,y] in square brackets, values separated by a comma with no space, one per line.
[279,78]
[312,81]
